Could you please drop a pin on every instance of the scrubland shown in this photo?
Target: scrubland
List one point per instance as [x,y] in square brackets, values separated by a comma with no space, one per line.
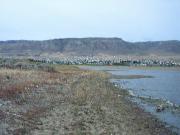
[62,99]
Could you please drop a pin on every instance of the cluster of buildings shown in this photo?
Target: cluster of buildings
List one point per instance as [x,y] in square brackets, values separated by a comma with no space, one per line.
[111,60]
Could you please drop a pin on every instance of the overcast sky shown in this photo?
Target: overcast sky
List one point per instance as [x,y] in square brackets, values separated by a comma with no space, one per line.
[132,20]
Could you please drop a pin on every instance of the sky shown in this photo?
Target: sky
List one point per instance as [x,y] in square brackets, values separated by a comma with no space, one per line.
[131,20]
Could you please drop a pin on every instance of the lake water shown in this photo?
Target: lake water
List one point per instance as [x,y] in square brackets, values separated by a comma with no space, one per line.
[163,88]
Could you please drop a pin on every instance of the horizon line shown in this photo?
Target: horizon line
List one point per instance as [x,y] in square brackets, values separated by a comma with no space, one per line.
[87,38]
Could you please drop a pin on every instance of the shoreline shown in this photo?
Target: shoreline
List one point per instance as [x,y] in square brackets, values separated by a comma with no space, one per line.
[137,110]
[132,67]
[56,99]
[136,105]
[135,102]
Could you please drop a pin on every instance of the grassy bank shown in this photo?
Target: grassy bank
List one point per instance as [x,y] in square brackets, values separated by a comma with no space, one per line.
[52,99]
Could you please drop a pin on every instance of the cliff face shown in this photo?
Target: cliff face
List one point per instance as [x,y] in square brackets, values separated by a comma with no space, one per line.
[89,47]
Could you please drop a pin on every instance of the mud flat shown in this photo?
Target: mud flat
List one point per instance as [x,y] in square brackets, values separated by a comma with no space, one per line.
[68,100]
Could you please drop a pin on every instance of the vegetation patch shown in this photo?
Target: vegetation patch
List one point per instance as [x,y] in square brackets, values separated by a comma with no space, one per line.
[67,100]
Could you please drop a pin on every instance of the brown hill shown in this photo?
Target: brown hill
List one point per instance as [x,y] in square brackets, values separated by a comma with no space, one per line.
[90,47]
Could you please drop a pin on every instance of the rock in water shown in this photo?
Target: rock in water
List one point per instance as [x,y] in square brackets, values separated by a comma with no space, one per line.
[160,108]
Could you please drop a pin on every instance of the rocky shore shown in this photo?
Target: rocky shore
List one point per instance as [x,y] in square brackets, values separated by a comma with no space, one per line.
[67,100]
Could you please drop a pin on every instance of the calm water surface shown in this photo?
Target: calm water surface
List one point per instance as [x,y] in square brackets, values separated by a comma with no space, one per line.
[165,85]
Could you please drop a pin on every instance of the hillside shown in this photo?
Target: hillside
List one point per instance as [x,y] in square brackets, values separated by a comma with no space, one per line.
[89,47]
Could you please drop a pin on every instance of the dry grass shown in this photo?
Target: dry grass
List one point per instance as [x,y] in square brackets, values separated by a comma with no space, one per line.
[14,81]
[67,100]
[28,94]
